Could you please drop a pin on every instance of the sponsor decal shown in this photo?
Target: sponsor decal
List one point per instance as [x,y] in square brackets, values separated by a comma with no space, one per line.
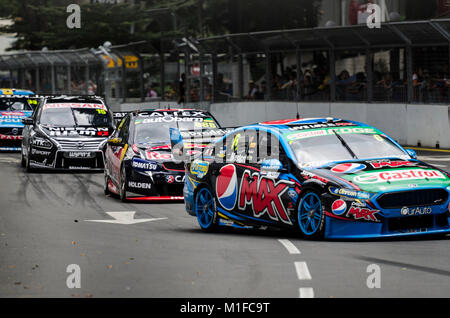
[361,213]
[170,119]
[226,187]
[264,195]
[392,176]
[78,131]
[78,168]
[170,179]
[75,105]
[351,194]
[321,125]
[199,168]
[405,211]
[377,164]
[12,114]
[139,164]
[348,168]
[40,152]
[330,131]
[183,113]
[339,207]
[10,137]
[152,155]
[139,185]
[79,154]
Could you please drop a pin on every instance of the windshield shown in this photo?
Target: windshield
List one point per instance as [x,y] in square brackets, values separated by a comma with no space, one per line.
[12,104]
[318,147]
[67,116]
[156,130]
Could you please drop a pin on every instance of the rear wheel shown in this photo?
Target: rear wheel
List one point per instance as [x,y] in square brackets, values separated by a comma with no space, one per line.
[123,181]
[311,216]
[205,208]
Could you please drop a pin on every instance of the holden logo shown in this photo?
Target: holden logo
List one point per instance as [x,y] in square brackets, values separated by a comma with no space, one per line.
[80,145]
[404,211]
[15,131]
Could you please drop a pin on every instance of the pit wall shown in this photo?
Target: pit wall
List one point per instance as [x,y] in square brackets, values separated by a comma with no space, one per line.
[408,124]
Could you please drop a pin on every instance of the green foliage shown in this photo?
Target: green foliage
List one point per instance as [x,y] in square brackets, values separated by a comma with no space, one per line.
[40,23]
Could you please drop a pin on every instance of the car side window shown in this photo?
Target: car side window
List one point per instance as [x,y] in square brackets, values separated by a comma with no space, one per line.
[123,129]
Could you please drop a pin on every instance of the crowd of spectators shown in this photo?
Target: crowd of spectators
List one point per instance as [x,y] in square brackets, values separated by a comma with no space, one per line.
[315,86]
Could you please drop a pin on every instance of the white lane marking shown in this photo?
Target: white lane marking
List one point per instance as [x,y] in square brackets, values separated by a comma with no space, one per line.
[302,271]
[126,217]
[291,248]
[306,292]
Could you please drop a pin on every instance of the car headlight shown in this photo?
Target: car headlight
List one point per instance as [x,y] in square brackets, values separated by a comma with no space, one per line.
[351,194]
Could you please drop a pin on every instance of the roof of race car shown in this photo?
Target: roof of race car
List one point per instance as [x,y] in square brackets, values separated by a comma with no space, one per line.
[15,92]
[309,123]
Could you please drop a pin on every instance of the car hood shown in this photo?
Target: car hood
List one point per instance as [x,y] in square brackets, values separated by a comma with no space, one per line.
[13,118]
[384,174]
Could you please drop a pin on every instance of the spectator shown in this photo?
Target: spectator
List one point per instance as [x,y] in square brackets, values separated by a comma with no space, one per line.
[152,93]
[252,91]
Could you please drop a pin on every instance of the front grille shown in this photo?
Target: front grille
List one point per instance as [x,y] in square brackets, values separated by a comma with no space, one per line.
[66,163]
[417,222]
[80,144]
[412,198]
[173,166]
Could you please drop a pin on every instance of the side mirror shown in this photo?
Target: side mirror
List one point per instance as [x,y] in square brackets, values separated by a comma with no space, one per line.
[27,121]
[115,141]
[272,166]
[411,153]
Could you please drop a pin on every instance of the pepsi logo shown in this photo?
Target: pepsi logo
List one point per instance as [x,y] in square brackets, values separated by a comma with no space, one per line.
[339,207]
[226,187]
[348,167]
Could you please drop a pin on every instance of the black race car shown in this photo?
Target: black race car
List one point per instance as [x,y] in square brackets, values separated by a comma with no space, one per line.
[139,164]
[67,132]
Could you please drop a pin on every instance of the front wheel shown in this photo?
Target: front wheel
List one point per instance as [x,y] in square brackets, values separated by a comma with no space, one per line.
[311,216]
[123,181]
[106,188]
[205,208]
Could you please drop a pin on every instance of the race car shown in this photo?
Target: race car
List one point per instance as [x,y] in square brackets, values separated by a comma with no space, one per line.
[14,105]
[67,132]
[139,164]
[325,178]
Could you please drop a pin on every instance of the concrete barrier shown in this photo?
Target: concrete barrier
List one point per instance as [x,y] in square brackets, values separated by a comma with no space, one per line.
[408,124]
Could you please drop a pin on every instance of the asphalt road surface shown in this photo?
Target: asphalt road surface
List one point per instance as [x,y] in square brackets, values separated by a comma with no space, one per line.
[45,227]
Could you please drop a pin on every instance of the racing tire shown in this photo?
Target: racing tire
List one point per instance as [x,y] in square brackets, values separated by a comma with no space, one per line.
[105,187]
[122,188]
[205,209]
[311,215]
[27,162]
[22,159]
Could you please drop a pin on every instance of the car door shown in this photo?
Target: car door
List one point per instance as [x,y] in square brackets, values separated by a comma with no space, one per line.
[265,183]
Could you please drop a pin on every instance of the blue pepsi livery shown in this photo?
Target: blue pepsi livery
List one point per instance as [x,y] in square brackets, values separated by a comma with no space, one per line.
[14,106]
[325,177]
